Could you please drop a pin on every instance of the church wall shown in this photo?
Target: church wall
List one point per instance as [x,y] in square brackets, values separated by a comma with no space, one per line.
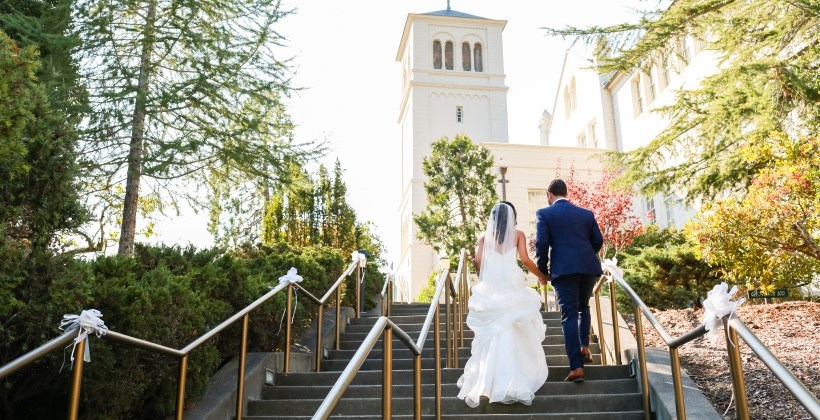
[587,118]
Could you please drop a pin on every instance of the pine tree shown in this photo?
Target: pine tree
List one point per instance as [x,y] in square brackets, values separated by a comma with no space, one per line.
[766,83]
[460,194]
[37,157]
[179,89]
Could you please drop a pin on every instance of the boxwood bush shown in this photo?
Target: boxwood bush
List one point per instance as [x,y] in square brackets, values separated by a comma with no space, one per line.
[168,295]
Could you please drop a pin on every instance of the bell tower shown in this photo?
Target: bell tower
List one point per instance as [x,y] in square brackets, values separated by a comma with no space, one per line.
[452,83]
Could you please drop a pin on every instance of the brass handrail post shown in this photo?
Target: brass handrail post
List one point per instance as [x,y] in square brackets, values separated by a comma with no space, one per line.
[287,330]
[642,361]
[76,381]
[358,290]
[319,346]
[387,373]
[680,403]
[417,387]
[183,374]
[736,369]
[448,323]
[390,299]
[616,334]
[601,342]
[240,380]
[544,295]
[338,316]
[462,295]
[437,354]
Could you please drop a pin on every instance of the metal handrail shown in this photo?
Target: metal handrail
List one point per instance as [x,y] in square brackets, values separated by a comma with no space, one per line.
[434,317]
[341,385]
[387,295]
[733,327]
[182,354]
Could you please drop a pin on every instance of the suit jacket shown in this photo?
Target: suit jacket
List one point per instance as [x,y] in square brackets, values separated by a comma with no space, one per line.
[567,240]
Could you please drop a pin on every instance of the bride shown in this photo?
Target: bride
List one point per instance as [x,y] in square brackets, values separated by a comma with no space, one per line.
[507,364]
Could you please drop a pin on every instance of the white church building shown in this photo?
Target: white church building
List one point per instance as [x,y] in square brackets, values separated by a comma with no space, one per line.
[453,82]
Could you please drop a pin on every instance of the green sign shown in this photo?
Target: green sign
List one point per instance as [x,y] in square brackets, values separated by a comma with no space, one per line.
[778,293]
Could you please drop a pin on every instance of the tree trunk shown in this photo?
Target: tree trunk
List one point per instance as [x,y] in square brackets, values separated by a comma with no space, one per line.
[132,184]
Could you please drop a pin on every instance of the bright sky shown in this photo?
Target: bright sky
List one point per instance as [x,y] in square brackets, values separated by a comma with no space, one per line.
[344,58]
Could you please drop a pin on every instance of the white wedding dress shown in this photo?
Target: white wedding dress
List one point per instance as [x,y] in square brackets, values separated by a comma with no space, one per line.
[507,362]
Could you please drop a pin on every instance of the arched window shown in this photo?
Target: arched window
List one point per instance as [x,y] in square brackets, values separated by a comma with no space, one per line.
[478,57]
[448,55]
[573,97]
[465,57]
[436,54]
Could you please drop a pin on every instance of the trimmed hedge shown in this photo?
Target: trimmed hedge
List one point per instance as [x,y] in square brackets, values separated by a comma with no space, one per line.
[168,295]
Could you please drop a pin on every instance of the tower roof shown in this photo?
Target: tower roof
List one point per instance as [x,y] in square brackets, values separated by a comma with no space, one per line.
[453,13]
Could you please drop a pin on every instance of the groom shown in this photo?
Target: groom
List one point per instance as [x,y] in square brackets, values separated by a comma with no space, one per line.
[567,242]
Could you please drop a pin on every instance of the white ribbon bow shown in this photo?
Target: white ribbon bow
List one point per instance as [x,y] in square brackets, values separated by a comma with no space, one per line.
[718,304]
[358,256]
[86,322]
[611,265]
[291,277]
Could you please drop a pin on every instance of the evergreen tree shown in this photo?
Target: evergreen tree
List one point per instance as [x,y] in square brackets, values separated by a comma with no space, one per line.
[460,194]
[180,89]
[766,83]
[342,218]
[47,25]
[37,158]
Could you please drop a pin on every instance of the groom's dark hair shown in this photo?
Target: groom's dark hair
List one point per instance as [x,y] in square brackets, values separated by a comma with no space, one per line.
[558,187]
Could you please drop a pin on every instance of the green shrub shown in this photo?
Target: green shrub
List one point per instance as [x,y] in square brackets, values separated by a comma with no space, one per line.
[167,295]
[661,267]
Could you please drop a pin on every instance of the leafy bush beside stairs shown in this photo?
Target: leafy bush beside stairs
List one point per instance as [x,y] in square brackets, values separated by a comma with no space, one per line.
[168,295]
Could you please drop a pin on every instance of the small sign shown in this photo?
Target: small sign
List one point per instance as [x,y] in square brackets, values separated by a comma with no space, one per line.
[777,293]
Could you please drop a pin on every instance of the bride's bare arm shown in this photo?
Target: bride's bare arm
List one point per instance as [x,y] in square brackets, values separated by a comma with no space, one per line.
[521,243]
[479,253]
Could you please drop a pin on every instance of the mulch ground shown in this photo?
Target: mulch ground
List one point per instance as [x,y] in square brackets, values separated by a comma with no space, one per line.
[791,330]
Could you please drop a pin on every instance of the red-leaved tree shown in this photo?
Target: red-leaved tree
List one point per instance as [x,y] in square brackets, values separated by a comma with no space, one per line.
[611,205]
[612,208]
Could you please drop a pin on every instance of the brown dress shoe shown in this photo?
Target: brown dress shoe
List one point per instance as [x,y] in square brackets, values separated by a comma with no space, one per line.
[587,355]
[575,375]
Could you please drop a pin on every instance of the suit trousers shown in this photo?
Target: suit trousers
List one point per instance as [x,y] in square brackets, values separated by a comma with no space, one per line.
[573,292]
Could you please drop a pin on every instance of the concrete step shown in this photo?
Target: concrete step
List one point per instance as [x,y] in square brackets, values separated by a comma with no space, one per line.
[419,318]
[622,415]
[414,329]
[429,363]
[353,343]
[401,352]
[451,405]
[557,373]
[611,386]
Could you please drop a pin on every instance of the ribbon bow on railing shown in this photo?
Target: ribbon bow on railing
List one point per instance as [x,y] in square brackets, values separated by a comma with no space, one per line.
[362,261]
[611,266]
[718,304]
[358,256]
[291,277]
[86,322]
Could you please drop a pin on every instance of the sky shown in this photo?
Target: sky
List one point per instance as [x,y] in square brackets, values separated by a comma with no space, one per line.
[343,56]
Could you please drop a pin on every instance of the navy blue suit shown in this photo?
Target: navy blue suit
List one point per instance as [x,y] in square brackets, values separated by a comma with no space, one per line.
[567,243]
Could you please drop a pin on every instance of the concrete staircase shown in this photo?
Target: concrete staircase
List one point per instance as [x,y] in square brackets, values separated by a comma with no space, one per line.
[608,393]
